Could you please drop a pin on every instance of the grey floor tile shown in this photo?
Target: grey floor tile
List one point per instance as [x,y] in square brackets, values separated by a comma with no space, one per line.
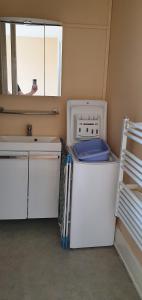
[33,266]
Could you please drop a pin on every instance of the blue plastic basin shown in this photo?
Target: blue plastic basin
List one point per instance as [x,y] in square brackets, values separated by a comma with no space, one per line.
[92,150]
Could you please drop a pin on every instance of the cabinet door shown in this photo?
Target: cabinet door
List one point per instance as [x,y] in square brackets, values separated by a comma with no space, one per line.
[13,185]
[44,175]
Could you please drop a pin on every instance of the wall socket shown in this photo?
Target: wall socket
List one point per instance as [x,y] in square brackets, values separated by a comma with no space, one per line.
[87,129]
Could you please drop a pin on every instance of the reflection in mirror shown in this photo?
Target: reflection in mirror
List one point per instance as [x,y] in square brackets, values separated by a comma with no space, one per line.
[31,58]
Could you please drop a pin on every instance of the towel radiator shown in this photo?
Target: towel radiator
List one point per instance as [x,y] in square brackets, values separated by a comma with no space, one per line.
[129,196]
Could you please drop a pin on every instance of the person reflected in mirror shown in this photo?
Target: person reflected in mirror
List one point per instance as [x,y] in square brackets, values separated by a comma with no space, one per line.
[31,93]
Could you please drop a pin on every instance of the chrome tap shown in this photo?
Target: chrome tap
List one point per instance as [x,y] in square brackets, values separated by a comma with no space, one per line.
[29,130]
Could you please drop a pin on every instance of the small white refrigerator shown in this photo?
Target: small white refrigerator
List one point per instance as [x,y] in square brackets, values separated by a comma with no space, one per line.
[88,218]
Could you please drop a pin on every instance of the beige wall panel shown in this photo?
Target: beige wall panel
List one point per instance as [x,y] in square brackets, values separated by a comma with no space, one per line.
[124,88]
[30,63]
[80,11]
[125,67]
[42,125]
[83,62]
[51,66]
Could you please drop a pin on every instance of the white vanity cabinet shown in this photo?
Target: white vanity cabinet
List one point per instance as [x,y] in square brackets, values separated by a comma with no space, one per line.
[44,174]
[13,184]
[29,177]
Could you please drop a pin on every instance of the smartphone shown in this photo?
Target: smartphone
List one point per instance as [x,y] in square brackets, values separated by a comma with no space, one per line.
[34,81]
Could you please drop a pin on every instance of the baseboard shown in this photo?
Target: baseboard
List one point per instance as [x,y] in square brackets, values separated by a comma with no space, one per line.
[131,263]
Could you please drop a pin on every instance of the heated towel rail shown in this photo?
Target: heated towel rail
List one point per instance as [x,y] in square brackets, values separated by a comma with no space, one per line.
[129,196]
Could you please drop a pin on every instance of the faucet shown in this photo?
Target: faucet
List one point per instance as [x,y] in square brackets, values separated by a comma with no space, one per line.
[29,130]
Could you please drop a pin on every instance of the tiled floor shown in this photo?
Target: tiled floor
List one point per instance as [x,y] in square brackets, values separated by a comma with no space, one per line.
[34,267]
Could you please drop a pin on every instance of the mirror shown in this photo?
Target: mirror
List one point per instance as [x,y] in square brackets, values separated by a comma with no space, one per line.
[30,57]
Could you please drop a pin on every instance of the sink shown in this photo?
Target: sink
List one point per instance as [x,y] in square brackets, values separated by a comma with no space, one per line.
[44,139]
[29,143]
[27,139]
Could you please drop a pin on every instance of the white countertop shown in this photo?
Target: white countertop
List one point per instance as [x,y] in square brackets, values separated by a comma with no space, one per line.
[30,143]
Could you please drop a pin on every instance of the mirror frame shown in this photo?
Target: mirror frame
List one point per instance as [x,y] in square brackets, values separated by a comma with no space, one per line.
[3,70]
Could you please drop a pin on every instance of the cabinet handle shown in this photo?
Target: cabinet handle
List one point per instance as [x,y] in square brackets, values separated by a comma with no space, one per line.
[44,157]
[14,157]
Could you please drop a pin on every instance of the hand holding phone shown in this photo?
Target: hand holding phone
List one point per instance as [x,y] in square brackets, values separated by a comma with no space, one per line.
[34,81]
[34,86]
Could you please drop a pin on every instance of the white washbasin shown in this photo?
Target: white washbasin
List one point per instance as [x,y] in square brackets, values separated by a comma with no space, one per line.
[29,143]
[28,139]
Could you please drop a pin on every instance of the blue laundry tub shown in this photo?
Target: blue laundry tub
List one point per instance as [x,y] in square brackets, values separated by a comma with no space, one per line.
[92,150]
